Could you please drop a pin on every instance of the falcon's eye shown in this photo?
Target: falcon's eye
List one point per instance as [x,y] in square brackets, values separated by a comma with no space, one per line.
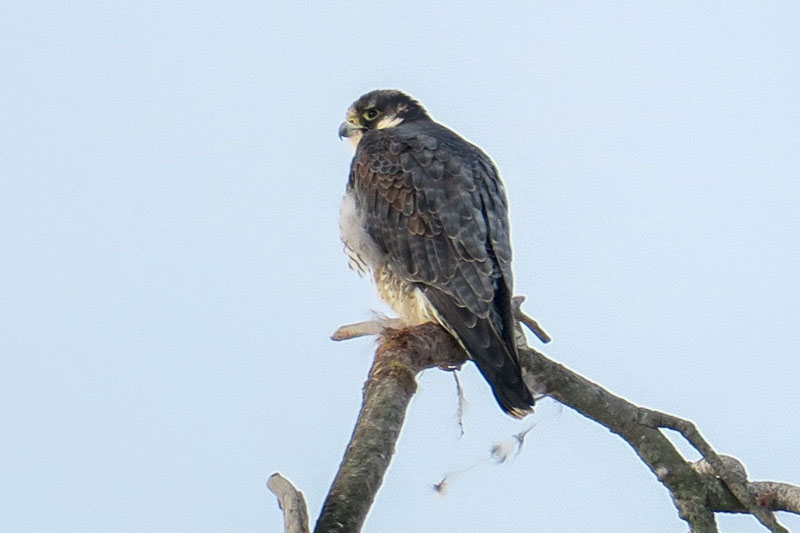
[371,114]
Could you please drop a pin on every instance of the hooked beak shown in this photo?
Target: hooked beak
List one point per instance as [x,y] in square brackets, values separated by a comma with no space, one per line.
[347,129]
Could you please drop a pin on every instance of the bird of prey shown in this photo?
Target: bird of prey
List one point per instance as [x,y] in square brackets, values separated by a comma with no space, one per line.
[425,214]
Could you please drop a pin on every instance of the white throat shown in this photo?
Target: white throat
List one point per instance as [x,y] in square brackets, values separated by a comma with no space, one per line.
[354,139]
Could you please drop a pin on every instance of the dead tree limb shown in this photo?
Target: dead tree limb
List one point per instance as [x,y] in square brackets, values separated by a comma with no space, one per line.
[291,502]
[639,427]
[400,356]
[717,483]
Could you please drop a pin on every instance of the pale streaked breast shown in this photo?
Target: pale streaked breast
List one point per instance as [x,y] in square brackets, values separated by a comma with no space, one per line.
[365,257]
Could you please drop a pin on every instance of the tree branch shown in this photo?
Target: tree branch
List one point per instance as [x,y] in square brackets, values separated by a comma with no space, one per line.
[400,356]
[639,428]
[291,502]
[768,494]
[622,418]
[731,472]
[717,483]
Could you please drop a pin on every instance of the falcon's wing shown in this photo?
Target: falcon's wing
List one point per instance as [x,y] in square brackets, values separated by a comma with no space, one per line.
[435,204]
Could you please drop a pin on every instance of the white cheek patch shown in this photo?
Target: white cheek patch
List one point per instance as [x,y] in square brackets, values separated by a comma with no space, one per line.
[389,121]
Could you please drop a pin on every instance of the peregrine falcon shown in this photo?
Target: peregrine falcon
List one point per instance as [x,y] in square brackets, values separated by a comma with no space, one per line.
[425,214]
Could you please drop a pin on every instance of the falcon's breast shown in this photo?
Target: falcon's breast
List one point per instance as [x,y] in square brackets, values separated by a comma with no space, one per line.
[366,257]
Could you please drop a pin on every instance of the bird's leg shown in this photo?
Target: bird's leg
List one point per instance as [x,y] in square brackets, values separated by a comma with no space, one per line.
[370,327]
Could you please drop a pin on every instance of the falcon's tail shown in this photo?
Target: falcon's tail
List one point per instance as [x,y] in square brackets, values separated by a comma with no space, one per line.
[507,385]
[495,355]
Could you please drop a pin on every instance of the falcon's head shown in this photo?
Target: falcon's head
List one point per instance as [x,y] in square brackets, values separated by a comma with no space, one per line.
[377,110]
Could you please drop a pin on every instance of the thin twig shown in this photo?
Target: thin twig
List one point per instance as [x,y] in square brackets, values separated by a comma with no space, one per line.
[533,325]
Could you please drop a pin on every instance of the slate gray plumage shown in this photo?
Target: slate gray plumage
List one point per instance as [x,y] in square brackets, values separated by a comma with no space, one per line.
[425,213]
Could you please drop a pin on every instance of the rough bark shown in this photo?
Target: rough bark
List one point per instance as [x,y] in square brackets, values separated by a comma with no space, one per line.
[400,356]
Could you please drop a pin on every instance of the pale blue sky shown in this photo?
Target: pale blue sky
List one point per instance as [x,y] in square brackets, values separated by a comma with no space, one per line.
[171,269]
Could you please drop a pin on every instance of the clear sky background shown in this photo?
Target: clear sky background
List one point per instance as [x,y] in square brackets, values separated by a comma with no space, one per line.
[170,265]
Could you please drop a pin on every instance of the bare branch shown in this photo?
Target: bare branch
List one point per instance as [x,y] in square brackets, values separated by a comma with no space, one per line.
[731,471]
[768,494]
[291,502]
[362,329]
[716,484]
[621,417]
[533,325]
[389,388]
[777,496]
